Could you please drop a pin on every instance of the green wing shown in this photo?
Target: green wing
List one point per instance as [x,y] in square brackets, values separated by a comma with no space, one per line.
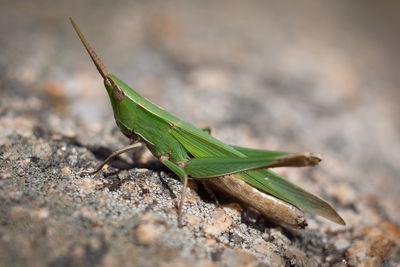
[264,180]
[251,152]
[200,144]
[208,167]
[276,185]
[215,166]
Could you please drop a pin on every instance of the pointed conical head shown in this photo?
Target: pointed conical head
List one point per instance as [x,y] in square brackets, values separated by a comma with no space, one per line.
[96,59]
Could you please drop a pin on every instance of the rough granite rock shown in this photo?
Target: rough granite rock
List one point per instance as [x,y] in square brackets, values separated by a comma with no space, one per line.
[258,76]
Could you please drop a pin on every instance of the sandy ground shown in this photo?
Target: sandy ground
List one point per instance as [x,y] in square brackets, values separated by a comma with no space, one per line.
[279,76]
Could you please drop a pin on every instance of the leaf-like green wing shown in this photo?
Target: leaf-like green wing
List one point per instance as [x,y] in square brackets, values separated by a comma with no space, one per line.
[266,180]
[276,185]
[205,147]
[251,152]
[200,144]
[216,166]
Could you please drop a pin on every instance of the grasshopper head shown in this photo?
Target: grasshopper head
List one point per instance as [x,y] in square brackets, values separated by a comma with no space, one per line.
[115,92]
[115,89]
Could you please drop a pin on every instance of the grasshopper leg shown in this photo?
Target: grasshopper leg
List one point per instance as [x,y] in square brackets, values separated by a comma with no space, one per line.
[206,129]
[184,178]
[114,154]
[182,201]
[209,189]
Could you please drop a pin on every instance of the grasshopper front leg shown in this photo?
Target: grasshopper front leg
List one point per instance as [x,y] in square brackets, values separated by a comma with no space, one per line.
[113,155]
[172,166]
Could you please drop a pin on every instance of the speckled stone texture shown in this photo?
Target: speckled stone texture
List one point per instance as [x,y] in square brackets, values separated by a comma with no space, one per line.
[288,76]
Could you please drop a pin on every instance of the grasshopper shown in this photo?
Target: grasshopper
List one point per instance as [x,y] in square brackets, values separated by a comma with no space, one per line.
[192,152]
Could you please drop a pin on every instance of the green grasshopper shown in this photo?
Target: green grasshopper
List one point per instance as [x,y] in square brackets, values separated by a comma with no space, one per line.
[192,152]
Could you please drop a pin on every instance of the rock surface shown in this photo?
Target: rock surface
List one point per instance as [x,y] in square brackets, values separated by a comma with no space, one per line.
[262,75]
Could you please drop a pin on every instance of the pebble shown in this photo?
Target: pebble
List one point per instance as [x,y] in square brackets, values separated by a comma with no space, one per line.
[123,175]
[176,261]
[17,212]
[42,149]
[87,185]
[41,213]
[237,258]
[341,244]
[192,220]
[271,252]
[236,239]
[9,156]
[147,234]
[94,243]
[296,256]
[13,194]
[342,264]
[20,172]
[210,242]
[219,223]
[233,209]
[110,260]
[263,247]
[278,237]
[205,263]
[72,160]
[374,245]
[87,213]
[65,172]
[5,174]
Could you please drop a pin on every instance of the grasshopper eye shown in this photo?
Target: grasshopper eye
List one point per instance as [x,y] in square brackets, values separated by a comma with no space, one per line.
[118,93]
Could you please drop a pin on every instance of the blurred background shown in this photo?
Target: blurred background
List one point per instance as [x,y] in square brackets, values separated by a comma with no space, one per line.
[319,76]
